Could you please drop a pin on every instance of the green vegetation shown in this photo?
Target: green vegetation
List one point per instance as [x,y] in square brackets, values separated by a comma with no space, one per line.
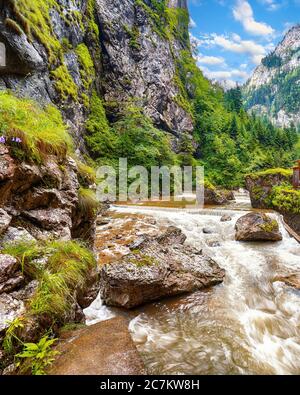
[285,199]
[65,269]
[168,23]
[33,17]
[87,71]
[272,61]
[231,143]
[61,270]
[99,138]
[86,174]
[279,171]
[282,92]
[36,357]
[64,83]
[134,35]
[88,202]
[133,136]
[42,131]
[142,260]
[271,226]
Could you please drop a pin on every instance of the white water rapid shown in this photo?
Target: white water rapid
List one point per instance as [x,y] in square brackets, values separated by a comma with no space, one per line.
[250,324]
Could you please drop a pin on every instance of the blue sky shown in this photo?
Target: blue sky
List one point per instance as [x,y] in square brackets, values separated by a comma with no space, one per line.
[232,36]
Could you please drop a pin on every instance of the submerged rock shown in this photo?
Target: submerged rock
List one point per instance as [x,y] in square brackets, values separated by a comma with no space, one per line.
[292,280]
[257,227]
[226,218]
[161,267]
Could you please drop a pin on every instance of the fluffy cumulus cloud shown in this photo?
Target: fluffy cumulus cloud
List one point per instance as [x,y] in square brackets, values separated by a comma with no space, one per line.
[234,43]
[243,13]
[210,60]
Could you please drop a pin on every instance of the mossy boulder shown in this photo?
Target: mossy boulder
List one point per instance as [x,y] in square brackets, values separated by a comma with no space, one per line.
[261,184]
[216,197]
[257,227]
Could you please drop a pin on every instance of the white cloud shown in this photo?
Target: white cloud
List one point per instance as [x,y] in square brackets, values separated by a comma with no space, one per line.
[226,74]
[192,23]
[272,5]
[210,60]
[243,13]
[237,45]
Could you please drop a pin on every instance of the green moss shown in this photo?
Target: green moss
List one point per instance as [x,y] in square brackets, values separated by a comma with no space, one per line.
[64,83]
[92,25]
[42,131]
[66,45]
[87,69]
[99,138]
[34,18]
[134,35]
[156,14]
[258,192]
[209,185]
[279,171]
[86,174]
[177,25]
[271,226]
[142,260]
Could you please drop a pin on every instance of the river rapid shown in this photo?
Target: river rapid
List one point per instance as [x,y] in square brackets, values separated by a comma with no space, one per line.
[250,324]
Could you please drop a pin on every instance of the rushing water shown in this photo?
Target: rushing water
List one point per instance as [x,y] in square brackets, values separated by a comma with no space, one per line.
[250,324]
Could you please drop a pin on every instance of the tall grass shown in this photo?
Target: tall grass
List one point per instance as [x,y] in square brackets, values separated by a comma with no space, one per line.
[65,269]
[88,202]
[41,131]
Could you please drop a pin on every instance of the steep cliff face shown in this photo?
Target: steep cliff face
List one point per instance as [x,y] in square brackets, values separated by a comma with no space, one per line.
[139,50]
[274,88]
[59,51]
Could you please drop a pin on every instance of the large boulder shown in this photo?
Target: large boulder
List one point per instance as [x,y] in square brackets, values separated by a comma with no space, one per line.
[260,185]
[257,227]
[160,267]
[214,197]
[102,349]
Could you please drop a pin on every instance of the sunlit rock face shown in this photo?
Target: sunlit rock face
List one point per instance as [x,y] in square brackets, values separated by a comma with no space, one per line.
[274,88]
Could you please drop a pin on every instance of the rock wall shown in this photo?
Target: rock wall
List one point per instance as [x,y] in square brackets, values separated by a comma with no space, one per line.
[41,202]
[139,63]
[131,60]
[274,90]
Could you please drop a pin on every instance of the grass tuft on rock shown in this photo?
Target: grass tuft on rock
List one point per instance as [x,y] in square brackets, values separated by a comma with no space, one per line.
[88,202]
[41,131]
[63,269]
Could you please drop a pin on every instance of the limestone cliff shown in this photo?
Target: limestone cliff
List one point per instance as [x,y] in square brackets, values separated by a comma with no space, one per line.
[59,51]
[274,88]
